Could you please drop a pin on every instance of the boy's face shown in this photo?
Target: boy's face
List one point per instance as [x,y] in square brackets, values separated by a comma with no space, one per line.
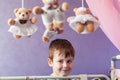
[61,66]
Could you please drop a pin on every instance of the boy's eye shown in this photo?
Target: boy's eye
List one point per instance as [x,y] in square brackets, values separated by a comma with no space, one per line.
[69,61]
[60,61]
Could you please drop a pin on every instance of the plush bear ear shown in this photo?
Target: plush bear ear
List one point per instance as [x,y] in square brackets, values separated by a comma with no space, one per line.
[87,10]
[75,9]
[15,10]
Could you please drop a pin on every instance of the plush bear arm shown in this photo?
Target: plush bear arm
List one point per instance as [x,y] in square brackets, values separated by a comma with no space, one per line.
[11,21]
[33,20]
[65,6]
[37,10]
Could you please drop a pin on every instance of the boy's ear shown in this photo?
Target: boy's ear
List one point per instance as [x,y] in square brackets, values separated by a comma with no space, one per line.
[50,62]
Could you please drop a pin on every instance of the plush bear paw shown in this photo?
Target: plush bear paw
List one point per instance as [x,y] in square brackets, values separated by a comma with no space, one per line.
[61,31]
[16,36]
[90,26]
[65,6]
[79,28]
[11,21]
[37,10]
[45,39]
[33,20]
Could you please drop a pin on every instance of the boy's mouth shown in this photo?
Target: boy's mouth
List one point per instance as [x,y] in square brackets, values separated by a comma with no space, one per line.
[65,71]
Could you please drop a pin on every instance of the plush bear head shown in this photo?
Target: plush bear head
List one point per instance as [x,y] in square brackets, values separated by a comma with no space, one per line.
[81,10]
[22,13]
[50,2]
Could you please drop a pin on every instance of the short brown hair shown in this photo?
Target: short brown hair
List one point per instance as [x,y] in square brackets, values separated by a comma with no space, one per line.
[63,45]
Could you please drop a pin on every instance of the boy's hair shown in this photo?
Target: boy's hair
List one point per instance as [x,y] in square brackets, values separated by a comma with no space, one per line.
[64,46]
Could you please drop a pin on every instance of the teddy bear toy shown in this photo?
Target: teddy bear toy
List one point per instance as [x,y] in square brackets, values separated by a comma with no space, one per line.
[22,25]
[52,16]
[83,22]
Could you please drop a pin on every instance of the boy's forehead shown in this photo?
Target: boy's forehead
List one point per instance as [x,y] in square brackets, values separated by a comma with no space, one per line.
[59,54]
[62,57]
[56,51]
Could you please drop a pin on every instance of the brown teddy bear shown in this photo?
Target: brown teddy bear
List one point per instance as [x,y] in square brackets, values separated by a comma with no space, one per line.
[52,17]
[83,22]
[22,25]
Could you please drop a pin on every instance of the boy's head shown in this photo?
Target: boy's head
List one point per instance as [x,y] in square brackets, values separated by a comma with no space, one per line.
[61,56]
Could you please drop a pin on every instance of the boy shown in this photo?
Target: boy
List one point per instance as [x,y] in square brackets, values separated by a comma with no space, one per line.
[61,56]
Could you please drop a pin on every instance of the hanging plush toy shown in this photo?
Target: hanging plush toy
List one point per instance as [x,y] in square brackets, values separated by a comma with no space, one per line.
[22,25]
[83,22]
[52,16]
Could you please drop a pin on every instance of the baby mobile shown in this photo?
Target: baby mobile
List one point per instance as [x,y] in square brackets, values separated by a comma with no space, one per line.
[52,16]
[83,22]
[22,25]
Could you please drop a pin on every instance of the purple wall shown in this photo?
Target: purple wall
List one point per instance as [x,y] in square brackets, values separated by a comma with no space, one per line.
[28,56]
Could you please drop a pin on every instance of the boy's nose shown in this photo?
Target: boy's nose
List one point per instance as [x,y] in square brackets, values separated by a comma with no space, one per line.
[65,64]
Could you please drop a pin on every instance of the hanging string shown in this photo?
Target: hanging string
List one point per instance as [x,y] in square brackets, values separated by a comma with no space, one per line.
[82,3]
[22,3]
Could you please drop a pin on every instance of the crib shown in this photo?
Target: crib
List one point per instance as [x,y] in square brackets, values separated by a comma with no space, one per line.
[72,77]
[115,73]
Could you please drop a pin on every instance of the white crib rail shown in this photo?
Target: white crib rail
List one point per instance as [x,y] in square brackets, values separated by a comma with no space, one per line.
[113,67]
[117,57]
[72,77]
